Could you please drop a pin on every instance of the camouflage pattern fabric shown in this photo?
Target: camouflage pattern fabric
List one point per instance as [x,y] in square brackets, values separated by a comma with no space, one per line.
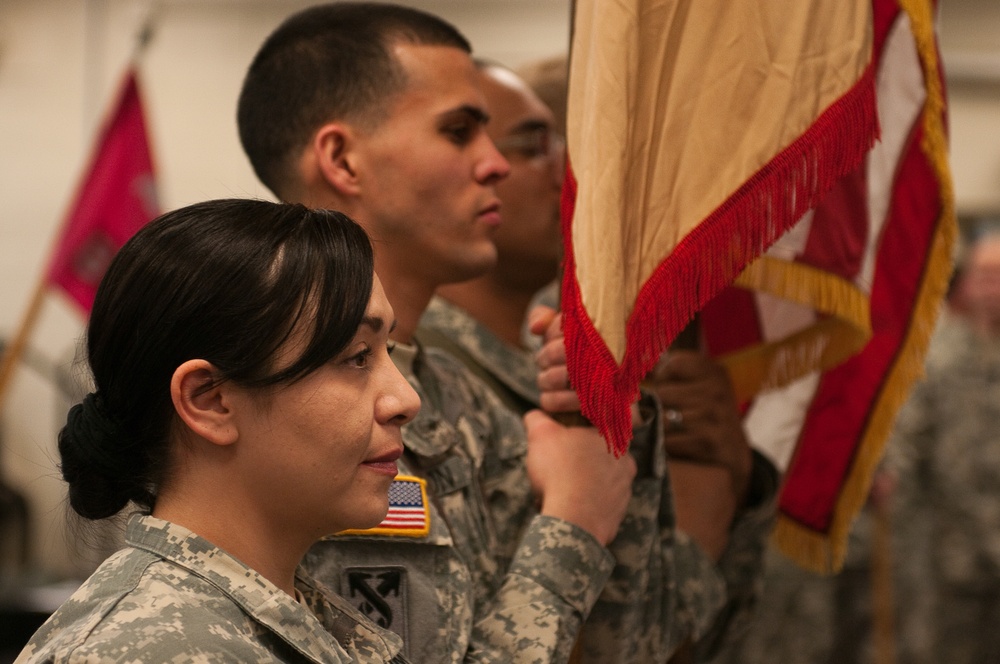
[946,452]
[171,596]
[509,372]
[492,581]
[663,589]
[809,618]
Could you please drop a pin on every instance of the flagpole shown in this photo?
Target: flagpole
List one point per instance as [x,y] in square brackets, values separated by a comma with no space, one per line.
[883,605]
[13,351]
[146,32]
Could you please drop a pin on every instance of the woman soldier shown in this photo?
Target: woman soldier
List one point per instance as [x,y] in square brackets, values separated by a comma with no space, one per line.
[246,405]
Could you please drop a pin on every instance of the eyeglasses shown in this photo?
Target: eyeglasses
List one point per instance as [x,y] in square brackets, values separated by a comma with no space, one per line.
[531,144]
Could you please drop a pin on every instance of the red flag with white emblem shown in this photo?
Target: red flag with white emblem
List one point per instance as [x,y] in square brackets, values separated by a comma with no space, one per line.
[116,198]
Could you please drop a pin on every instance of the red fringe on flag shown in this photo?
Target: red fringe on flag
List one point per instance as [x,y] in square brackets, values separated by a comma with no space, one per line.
[708,258]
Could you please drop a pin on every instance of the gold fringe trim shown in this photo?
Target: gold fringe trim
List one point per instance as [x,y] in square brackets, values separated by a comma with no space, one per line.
[821,346]
[825,552]
[809,286]
[767,366]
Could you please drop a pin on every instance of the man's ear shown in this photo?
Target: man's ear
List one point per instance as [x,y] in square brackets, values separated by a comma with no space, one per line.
[333,148]
[202,405]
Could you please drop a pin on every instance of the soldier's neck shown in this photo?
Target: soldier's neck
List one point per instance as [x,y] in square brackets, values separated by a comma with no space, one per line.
[408,295]
[499,308]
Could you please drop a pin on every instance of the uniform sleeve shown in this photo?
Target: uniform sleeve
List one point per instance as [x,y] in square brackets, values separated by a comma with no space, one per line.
[742,562]
[180,649]
[663,588]
[554,579]
[554,569]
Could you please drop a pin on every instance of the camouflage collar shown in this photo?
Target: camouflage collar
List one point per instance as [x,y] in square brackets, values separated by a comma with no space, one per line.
[311,634]
[513,367]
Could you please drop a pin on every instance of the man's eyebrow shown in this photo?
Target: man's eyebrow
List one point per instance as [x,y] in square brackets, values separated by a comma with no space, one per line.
[530,125]
[478,114]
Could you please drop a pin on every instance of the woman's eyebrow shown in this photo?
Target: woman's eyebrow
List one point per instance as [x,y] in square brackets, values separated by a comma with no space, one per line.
[376,323]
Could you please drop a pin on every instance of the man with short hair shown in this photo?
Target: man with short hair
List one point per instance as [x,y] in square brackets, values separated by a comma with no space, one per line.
[501,546]
[479,321]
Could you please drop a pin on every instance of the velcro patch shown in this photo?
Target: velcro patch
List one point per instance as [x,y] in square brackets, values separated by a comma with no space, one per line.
[380,594]
[409,513]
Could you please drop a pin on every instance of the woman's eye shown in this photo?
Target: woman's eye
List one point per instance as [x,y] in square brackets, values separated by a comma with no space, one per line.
[390,347]
[360,360]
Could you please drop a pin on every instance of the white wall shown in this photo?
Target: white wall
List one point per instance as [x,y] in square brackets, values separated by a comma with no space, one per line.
[970,41]
[61,61]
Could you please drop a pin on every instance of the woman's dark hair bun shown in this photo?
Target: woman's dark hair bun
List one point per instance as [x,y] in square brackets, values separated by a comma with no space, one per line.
[95,460]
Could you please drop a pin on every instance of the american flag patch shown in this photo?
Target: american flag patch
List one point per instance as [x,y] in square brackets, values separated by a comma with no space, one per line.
[409,515]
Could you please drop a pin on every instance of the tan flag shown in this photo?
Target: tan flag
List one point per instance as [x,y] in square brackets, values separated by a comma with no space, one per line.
[698,132]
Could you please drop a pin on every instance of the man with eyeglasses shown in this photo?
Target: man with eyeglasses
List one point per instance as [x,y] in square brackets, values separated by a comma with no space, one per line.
[480,322]
[527,245]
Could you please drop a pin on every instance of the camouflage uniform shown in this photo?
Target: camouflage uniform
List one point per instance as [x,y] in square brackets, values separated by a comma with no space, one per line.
[663,589]
[491,580]
[809,618]
[171,596]
[946,449]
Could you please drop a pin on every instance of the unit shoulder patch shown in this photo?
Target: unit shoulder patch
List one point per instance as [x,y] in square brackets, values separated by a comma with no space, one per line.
[380,594]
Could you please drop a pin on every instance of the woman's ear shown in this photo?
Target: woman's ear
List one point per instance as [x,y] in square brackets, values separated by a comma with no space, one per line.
[333,150]
[203,405]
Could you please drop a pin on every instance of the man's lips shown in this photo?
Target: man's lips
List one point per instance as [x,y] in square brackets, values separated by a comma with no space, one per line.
[491,213]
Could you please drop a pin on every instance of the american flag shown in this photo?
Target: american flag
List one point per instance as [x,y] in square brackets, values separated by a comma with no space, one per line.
[407,507]
[409,512]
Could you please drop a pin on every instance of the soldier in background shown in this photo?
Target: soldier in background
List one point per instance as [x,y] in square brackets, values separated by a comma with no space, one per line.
[479,321]
[937,478]
[947,456]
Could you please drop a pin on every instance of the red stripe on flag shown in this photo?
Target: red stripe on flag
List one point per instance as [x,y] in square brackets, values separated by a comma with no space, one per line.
[848,394]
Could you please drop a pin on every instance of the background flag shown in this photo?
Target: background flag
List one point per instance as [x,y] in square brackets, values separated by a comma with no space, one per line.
[116,198]
[699,131]
[838,314]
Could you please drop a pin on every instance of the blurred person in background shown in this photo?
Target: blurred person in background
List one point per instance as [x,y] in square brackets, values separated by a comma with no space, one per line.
[946,453]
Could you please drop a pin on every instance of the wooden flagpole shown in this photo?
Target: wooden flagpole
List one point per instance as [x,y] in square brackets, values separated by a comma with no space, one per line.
[883,605]
[13,351]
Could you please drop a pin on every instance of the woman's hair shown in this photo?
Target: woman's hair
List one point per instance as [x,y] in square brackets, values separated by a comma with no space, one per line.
[226,281]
